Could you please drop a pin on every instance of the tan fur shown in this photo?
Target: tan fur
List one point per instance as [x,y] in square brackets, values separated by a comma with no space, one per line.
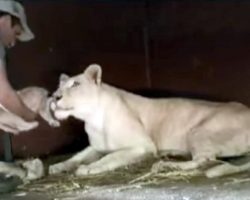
[123,127]
[36,99]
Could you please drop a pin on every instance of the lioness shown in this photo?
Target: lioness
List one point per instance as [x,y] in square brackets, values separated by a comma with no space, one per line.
[123,127]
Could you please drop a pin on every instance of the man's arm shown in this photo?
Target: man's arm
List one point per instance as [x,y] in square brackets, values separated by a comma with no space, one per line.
[10,99]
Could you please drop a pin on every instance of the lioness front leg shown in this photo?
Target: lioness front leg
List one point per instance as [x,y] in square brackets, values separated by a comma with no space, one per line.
[114,160]
[86,156]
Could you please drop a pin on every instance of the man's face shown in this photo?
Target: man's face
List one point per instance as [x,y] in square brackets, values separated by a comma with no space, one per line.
[9,31]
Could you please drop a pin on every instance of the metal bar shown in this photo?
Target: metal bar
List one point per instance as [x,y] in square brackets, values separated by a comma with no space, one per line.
[7,145]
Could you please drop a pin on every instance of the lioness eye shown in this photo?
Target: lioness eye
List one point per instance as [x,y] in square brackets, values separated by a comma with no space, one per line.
[75,84]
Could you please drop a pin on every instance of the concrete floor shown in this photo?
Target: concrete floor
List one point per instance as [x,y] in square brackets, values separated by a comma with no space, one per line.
[121,185]
[198,188]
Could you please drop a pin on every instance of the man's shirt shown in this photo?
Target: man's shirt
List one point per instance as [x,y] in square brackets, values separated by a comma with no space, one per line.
[2,55]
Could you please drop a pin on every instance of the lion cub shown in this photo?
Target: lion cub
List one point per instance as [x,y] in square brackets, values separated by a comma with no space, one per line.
[123,127]
[36,99]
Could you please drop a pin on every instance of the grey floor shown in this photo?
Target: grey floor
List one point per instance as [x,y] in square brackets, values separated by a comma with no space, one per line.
[120,185]
[234,187]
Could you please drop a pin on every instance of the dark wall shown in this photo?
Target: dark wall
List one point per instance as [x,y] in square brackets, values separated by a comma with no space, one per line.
[202,48]
[194,49]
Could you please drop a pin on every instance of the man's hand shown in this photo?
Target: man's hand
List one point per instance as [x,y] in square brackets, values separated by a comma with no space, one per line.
[12,102]
[14,124]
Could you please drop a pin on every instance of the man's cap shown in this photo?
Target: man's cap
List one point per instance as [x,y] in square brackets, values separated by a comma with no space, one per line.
[16,9]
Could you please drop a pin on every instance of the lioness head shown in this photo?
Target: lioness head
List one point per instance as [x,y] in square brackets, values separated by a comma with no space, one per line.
[77,96]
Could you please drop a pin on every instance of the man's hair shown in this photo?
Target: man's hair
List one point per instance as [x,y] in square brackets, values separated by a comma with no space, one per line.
[14,20]
[3,13]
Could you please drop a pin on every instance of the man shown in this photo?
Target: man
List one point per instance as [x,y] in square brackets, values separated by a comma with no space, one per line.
[13,27]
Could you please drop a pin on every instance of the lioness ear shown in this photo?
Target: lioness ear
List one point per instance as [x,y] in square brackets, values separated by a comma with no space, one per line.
[94,73]
[63,78]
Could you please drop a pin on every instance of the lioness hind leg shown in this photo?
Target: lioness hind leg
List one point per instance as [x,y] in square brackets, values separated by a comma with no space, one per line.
[226,169]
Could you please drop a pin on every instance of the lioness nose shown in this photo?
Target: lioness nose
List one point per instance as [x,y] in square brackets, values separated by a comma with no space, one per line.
[58,98]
